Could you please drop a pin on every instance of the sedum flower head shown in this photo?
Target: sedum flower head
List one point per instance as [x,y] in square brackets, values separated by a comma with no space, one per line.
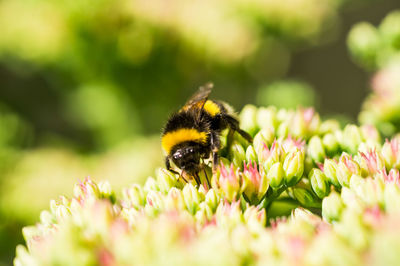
[305,193]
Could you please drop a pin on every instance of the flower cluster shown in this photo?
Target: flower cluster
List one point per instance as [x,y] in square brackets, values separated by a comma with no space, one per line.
[341,186]
[375,47]
[378,49]
[382,107]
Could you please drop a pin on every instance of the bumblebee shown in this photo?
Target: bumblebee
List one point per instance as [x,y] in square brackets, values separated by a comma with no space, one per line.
[192,134]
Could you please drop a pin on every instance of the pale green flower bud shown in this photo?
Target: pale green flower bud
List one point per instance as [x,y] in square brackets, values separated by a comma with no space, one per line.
[227,181]
[368,189]
[298,127]
[130,215]
[248,119]
[212,199]
[151,185]
[166,180]
[106,191]
[350,199]
[174,200]
[75,207]
[238,154]
[191,197]
[86,189]
[229,215]
[389,28]
[316,149]
[62,213]
[374,191]
[391,153]
[225,162]
[255,184]
[47,218]
[105,188]
[339,136]
[202,191]
[388,154]
[293,167]
[332,207]
[155,200]
[266,117]
[345,169]
[204,213]
[151,211]
[23,257]
[53,206]
[351,138]
[330,167]
[30,232]
[352,229]
[290,144]
[263,137]
[267,157]
[370,135]
[283,130]
[301,214]
[135,196]
[276,175]
[64,200]
[363,165]
[330,143]
[392,198]
[303,196]
[251,155]
[357,185]
[364,42]
[255,218]
[328,126]
[284,115]
[319,183]
[371,162]
[304,123]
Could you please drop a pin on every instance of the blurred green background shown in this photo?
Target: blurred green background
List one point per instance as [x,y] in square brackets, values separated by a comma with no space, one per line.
[85,86]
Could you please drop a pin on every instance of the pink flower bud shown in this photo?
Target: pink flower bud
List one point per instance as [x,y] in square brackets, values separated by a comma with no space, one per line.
[255,184]
[228,182]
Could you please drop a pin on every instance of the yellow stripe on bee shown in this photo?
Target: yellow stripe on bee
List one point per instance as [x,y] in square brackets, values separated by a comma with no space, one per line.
[173,138]
[212,108]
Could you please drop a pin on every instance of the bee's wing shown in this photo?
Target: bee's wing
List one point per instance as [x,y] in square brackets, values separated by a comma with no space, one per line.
[198,100]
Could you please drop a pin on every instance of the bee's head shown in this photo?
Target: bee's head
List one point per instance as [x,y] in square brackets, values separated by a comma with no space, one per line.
[187,157]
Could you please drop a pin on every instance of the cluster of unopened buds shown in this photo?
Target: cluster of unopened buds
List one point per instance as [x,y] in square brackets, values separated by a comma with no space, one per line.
[342,187]
[377,48]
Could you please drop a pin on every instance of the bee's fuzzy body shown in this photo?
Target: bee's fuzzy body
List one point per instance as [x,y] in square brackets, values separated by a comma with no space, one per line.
[193,133]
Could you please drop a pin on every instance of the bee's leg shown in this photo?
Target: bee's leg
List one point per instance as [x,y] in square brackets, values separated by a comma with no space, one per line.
[208,181]
[168,166]
[197,178]
[245,135]
[181,176]
[215,144]
[234,125]
[229,139]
